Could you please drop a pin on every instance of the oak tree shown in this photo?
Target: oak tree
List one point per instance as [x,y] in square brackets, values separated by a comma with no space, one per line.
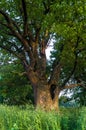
[27,28]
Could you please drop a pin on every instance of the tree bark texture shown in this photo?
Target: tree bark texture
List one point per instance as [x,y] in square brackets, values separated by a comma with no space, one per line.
[45,97]
[45,101]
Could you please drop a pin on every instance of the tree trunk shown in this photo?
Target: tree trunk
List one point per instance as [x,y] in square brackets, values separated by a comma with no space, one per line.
[45,99]
[45,94]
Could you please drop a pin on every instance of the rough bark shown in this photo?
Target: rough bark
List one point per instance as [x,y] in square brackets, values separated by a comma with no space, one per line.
[45,94]
[44,99]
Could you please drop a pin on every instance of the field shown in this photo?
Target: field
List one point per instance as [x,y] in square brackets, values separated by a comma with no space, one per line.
[26,118]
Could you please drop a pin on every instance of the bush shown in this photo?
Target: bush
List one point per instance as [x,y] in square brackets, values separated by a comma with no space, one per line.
[69,117]
[81,122]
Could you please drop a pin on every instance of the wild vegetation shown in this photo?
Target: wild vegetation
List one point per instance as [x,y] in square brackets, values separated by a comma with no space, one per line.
[26,118]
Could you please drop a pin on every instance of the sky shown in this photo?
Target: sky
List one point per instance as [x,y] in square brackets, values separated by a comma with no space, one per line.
[49,49]
[48,52]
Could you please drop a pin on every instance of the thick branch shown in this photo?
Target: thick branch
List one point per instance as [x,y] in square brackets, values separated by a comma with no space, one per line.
[6,16]
[7,32]
[17,27]
[19,56]
[70,86]
[56,69]
[13,45]
[26,31]
[47,6]
[82,82]
[9,21]
[20,74]
[55,74]
[10,25]
[74,85]
[11,51]
[25,18]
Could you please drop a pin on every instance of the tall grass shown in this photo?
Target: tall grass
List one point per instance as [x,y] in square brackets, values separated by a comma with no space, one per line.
[16,118]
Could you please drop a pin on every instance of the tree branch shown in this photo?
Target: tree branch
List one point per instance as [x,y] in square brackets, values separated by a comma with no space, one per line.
[11,51]
[46,7]
[17,27]
[55,74]
[75,65]
[71,86]
[26,31]
[56,69]
[74,85]
[3,24]
[9,21]
[15,46]
[10,25]
[6,16]
[25,17]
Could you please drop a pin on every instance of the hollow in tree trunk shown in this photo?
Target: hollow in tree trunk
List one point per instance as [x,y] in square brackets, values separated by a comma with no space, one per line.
[46,98]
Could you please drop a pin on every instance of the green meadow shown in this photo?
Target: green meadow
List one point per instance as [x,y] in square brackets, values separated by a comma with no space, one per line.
[27,118]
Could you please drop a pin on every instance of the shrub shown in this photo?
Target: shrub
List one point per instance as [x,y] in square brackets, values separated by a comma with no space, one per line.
[81,121]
